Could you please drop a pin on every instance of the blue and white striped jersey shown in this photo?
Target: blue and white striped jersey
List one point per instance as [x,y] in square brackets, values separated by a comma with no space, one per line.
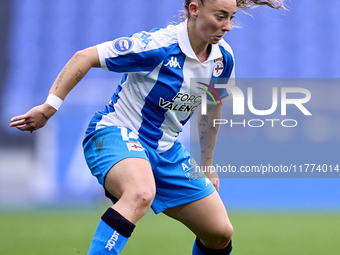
[154,98]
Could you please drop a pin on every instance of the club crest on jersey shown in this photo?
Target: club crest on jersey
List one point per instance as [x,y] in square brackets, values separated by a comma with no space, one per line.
[218,68]
[122,45]
[134,146]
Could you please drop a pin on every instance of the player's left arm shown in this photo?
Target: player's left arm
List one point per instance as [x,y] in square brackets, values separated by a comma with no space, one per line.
[208,136]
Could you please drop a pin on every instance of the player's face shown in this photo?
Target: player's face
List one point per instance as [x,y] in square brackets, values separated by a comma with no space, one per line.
[214,19]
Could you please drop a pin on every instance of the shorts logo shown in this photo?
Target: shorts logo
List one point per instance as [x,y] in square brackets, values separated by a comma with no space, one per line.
[218,68]
[131,145]
[190,170]
[134,146]
[123,45]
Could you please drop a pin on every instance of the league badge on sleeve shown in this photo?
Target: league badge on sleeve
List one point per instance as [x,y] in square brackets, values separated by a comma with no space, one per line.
[218,67]
[123,45]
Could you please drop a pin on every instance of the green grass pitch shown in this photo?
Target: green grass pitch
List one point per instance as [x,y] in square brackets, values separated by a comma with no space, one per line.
[263,234]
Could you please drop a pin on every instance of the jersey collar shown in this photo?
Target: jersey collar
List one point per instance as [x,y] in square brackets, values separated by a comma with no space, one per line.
[184,44]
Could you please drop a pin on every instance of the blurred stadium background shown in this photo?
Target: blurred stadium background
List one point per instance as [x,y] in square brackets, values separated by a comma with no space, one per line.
[47,169]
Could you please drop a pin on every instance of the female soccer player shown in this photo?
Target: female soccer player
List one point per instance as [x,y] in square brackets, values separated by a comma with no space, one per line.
[131,146]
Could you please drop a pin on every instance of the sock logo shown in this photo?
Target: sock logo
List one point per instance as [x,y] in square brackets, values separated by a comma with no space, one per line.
[112,241]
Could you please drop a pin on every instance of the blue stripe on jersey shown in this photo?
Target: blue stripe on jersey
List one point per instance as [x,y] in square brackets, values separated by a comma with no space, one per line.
[139,62]
[108,107]
[154,30]
[169,83]
[228,63]
[115,96]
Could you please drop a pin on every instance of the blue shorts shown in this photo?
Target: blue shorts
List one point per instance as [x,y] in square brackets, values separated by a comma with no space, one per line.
[177,182]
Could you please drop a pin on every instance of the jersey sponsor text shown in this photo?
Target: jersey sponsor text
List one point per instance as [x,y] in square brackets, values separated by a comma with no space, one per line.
[181,103]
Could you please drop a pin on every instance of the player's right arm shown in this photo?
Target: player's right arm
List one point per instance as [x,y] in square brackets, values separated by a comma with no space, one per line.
[68,78]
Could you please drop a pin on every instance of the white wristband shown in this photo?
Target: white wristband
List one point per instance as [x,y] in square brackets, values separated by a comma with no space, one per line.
[54,101]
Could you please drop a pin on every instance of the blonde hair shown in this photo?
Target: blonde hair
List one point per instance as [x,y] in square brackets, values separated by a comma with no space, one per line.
[250,4]
[240,4]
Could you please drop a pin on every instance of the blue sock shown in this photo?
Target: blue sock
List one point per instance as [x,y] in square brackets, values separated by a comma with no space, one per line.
[200,249]
[112,233]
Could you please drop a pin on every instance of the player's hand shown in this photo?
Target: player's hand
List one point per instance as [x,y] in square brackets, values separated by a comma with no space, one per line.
[213,177]
[34,119]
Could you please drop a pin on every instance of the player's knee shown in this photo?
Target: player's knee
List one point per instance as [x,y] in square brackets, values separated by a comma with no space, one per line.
[144,198]
[221,237]
[141,198]
[225,237]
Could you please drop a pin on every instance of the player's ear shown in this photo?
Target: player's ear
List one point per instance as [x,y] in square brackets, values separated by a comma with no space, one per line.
[193,9]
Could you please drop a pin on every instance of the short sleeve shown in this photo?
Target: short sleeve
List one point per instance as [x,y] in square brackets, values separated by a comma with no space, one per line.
[141,52]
